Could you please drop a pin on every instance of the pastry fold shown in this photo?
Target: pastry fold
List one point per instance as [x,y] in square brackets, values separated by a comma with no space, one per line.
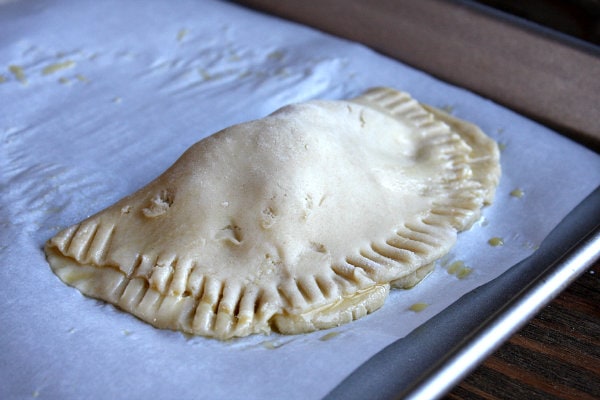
[298,221]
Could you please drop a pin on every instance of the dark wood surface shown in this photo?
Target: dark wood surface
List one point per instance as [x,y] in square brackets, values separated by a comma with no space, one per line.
[528,70]
[555,356]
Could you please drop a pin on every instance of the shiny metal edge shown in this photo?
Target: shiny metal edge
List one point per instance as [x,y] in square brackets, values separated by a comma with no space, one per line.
[435,357]
[508,321]
[532,26]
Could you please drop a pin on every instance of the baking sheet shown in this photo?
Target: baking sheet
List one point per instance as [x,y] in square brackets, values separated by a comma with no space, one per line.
[426,365]
[98,98]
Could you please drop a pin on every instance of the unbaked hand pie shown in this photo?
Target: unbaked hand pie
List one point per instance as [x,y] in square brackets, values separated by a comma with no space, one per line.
[295,222]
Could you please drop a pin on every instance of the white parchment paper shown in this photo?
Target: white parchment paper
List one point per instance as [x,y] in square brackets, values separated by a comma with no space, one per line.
[99,97]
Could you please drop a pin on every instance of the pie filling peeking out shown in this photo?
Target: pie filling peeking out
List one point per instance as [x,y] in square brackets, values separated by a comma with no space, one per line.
[299,221]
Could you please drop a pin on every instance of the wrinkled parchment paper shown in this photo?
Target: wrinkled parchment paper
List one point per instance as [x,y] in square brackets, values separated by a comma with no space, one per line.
[99,97]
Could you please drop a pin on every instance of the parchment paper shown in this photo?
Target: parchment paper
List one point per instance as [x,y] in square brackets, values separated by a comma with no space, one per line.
[98,98]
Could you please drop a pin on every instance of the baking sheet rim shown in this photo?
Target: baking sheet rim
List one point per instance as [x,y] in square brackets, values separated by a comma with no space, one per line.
[517,296]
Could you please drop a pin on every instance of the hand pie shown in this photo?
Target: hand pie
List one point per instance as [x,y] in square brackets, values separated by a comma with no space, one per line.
[298,221]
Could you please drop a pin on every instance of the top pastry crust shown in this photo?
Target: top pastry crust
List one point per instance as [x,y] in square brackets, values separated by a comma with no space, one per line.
[294,222]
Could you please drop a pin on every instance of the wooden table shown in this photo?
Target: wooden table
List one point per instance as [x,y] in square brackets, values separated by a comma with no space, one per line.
[556,356]
[541,75]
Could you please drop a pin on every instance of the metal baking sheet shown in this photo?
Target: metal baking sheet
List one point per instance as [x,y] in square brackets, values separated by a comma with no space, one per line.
[439,354]
[92,111]
[431,360]
[423,365]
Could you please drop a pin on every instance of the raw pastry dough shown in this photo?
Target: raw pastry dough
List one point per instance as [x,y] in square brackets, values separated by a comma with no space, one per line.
[298,221]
